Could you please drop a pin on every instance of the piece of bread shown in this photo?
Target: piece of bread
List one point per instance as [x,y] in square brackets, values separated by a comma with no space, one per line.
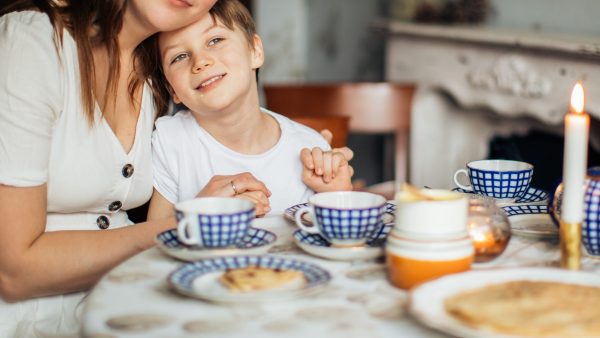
[529,308]
[256,278]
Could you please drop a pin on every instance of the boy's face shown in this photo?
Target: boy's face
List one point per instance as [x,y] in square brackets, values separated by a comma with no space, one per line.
[209,66]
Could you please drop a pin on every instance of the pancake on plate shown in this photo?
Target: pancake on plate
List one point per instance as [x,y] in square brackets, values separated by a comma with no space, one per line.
[255,278]
[530,308]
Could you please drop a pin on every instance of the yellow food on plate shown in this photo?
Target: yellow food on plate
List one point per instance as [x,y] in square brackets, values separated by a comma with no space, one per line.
[530,308]
[256,278]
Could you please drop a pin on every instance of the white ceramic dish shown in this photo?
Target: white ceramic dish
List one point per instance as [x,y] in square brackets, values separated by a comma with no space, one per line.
[427,300]
[316,245]
[531,221]
[533,196]
[256,241]
[200,279]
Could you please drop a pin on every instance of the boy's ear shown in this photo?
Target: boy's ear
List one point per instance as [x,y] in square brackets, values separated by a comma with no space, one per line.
[176,99]
[258,54]
[173,95]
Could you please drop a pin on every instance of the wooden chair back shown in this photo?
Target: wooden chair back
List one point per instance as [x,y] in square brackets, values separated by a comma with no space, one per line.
[338,125]
[372,108]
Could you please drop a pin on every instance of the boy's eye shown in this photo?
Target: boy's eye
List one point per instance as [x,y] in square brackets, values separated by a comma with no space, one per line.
[179,57]
[214,41]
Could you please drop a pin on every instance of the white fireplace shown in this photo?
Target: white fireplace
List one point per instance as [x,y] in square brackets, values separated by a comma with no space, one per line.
[476,83]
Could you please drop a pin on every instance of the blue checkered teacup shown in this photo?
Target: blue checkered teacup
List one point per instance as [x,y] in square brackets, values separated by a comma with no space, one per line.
[502,179]
[344,218]
[212,222]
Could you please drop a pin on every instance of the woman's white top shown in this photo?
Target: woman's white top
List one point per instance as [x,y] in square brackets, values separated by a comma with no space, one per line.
[45,138]
[186,157]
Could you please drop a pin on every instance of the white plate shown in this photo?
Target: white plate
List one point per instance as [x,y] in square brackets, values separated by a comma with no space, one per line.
[427,300]
[200,279]
[531,221]
[533,196]
[256,241]
[290,214]
[317,245]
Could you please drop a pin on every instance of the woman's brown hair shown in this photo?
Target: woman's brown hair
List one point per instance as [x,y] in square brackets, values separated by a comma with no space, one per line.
[91,23]
[230,13]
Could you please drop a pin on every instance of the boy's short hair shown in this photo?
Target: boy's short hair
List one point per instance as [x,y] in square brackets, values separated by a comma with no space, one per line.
[232,14]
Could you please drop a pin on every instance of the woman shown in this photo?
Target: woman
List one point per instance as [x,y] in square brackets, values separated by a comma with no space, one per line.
[76,117]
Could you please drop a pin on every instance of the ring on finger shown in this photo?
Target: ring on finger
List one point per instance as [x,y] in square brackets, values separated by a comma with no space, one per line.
[235,191]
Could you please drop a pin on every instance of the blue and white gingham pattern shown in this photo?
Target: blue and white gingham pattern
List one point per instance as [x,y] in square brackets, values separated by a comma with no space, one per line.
[183,278]
[513,210]
[343,224]
[507,184]
[532,195]
[252,239]
[377,240]
[290,212]
[223,230]
[590,231]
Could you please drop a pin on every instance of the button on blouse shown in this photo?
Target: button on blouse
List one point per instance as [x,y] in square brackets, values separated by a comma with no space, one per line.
[115,206]
[103,222]
[127,170]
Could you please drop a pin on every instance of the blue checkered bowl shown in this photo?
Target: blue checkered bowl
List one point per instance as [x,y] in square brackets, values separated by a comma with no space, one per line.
[590,230]
[501,179]
[213,221]
[344,218]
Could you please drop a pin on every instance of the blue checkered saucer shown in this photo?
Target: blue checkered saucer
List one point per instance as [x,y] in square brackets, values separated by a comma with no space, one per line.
[200,279]
[255,241]
[317,245]
[530,220]
[532,196]
[290,214]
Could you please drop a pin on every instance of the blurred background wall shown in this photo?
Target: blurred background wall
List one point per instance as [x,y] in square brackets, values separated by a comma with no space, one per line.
[316,41]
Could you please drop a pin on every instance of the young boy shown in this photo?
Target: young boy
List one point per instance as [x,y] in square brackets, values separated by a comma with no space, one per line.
[211,68]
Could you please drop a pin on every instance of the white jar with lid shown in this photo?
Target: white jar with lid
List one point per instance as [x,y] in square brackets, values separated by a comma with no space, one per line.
[431,215]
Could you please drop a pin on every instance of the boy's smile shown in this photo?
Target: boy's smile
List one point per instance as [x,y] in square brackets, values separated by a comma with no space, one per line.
[210,82]
[211,68]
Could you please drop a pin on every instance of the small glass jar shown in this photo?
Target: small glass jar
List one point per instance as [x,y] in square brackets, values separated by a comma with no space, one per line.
[488,227]
[411,262]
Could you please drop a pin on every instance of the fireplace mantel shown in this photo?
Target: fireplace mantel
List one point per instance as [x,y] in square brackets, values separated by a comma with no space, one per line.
[475,83]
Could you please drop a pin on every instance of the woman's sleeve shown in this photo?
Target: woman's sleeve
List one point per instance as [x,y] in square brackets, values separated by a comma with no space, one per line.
[30,97]
[164,166]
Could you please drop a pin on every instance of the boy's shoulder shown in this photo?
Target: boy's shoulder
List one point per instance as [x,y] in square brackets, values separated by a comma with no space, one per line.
[296,130]
[174,124]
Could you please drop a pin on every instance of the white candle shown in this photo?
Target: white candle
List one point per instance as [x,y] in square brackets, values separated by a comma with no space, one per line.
[575,158]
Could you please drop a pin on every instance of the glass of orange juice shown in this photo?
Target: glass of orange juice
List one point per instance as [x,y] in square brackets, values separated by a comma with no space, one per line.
[411,262]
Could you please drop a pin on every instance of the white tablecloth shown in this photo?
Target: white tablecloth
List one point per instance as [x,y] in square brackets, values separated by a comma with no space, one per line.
[134,300]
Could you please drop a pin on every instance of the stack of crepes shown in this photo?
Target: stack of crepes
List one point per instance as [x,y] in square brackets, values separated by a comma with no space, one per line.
[530,308]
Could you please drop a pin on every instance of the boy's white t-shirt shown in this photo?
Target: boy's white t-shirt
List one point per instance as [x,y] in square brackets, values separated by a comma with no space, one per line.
[186,157]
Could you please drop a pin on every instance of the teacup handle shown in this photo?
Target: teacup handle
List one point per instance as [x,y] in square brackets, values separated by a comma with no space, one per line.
[458,172]
[182,234]
[298,216]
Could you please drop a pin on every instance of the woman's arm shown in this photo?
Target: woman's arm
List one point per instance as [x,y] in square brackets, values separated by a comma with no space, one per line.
[35,263]
[160,207]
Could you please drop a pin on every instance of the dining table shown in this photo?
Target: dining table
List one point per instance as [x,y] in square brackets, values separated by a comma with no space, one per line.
[136,300]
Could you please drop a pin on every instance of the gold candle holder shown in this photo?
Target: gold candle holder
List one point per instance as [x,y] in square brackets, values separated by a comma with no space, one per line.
[570,245]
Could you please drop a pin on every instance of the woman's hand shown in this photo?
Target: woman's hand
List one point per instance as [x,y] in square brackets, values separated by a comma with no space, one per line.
[243,185]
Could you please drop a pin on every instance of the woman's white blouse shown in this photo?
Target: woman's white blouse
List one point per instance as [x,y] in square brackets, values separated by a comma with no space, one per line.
[45,136]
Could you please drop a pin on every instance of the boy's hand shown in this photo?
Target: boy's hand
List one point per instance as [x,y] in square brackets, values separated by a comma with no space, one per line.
[328,136]
[326,170]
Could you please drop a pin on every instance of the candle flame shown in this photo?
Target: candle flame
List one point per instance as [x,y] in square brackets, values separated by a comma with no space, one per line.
[577,99]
